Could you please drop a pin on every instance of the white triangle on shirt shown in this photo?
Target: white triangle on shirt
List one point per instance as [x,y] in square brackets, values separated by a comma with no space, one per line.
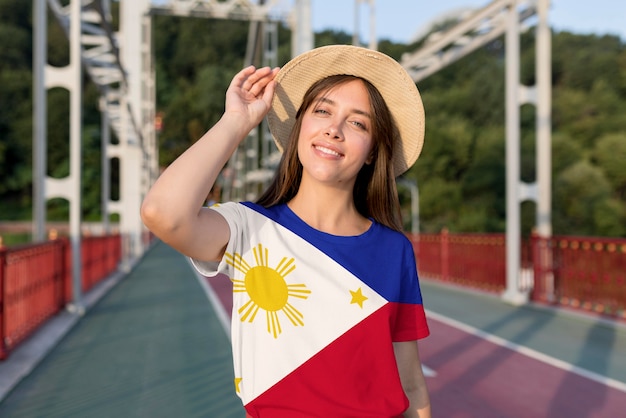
[322,298]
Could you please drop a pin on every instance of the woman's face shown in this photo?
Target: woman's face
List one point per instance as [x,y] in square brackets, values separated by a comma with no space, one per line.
[336,135]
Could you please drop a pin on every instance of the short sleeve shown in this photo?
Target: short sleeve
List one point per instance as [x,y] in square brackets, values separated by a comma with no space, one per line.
[234,216]
[410,317]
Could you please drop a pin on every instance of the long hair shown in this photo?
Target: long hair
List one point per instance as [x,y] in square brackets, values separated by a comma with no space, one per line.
[375,193]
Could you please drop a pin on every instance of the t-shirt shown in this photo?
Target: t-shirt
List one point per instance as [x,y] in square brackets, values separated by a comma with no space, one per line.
[314,314]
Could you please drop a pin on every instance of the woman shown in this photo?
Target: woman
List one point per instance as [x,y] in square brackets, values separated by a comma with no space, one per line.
[326,301]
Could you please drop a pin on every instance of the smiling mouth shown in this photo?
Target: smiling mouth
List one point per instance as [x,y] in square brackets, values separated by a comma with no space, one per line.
[327,151]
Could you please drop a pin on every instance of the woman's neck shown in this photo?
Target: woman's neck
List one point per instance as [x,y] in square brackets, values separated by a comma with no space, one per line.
[329,210]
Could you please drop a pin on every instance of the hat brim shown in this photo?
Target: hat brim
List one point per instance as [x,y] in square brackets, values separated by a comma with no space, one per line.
[387,75]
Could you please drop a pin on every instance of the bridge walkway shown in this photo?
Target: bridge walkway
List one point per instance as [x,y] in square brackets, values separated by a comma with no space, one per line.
[151,346]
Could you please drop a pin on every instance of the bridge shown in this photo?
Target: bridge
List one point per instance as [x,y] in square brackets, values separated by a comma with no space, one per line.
[523,337]
[120,64]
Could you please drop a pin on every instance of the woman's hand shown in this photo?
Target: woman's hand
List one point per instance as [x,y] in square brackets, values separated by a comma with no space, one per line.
[250,94]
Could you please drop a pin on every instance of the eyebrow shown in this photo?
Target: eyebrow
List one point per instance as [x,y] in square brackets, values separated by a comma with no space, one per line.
[332,102]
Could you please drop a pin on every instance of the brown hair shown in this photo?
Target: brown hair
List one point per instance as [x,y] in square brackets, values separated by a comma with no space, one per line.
[375,193]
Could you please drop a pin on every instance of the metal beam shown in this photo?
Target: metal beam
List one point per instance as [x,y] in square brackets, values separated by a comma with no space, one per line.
[483,26]
[266,11]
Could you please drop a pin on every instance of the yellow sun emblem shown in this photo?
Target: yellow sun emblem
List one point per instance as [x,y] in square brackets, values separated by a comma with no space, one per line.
[267,289]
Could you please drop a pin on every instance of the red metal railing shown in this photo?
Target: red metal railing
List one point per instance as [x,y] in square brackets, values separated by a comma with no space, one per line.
[32,282]
[473,260]
[580,272]
[100,257]
[584,273]
[36,282]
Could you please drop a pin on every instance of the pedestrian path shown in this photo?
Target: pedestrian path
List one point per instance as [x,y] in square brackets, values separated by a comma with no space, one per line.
[154,347]
[589,345]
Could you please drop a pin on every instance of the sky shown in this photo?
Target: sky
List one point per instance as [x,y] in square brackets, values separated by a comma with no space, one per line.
[400,20]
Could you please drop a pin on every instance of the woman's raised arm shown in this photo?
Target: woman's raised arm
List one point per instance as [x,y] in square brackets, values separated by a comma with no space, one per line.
[173,208]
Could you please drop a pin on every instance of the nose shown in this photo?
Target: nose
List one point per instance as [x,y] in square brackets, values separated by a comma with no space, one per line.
[333,130]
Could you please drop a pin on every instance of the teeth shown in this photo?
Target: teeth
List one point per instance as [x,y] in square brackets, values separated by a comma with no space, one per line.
[327,151]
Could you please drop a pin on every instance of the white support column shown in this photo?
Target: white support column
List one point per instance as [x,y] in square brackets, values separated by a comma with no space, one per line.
[544,138]
[356,36]
[512,293]
[415,202]
[148,109]
[76,125]
[40,134]
[544,121]
[131,153]
[373,44]
[356,32]
[301,28]
[105,139]
[69,188]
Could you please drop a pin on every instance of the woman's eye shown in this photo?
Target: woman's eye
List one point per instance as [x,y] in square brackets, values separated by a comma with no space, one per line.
[321,111]
[359,125]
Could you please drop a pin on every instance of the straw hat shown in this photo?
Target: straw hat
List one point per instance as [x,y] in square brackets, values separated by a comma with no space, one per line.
[386,74]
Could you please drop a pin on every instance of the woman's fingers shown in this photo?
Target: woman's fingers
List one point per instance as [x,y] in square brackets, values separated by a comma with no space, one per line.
[240,78]
[268,91]
[256,81]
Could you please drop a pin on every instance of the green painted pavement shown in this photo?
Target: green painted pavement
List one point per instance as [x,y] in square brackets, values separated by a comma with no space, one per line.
[152,347]
[591,343]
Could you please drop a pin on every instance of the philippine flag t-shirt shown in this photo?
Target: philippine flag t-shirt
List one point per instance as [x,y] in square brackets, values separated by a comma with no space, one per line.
[314,315]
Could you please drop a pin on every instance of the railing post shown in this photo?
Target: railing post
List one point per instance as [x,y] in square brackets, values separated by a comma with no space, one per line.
[67,271]
[3,257]
[543,266]
[445,254]
[538,289]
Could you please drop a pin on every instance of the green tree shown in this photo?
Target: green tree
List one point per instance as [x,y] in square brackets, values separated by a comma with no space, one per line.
[193,110]
[609,154]
[15,110]
[581,199]
[609,218]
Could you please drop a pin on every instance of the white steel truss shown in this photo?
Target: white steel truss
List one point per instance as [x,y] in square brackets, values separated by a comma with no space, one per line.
[120,65]
[101,60]
[482,27]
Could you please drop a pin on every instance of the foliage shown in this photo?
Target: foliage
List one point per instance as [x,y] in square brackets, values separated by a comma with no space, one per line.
[465,116]
[15,108]
[460,174]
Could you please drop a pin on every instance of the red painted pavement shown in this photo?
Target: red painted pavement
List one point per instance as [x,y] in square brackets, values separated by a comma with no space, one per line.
[479,379]
[476,378]
[223,289]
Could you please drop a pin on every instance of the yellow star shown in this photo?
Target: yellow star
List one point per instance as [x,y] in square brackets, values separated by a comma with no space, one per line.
[357,297]
[237,382]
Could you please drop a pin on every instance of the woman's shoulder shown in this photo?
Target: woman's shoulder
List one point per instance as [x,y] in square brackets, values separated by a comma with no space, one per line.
[387,231]
[383,235]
